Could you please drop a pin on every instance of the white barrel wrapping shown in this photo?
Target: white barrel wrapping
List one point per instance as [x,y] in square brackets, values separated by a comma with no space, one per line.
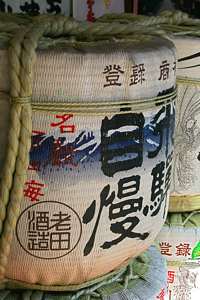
[97,186]
[185,179]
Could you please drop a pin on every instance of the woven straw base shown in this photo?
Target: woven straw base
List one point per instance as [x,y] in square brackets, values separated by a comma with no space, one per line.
[148,276]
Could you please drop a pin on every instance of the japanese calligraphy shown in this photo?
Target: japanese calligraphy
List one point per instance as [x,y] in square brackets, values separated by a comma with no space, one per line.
[165,249]
[62,124]
[164,71]
[161,296]
[130,143]
[183,249]
[182,292]
[127,189]
[33,190]
[32,8]
[162,120]
[90,14]
[157,192]
[137,75]
[170,276]
[54,6]
[46,229]
[45,233]
[113,73]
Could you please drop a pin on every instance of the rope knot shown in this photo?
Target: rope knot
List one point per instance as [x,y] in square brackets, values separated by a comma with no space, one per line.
[21,100]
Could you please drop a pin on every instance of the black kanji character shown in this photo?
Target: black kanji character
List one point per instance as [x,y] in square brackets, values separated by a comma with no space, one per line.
[137,75]
[54,8]
[127,187]
[126,145]
[125,229]
[32,8]
[112,75]
[61,222]
[164,70]
[42,220]
[60,240]
[157,189]
[105,200]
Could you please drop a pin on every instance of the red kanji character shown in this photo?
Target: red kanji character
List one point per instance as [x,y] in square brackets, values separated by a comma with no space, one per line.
[90,14]
[165,248]
[171,275]
[161,296]
[33,190]
[64,118]
[183,249]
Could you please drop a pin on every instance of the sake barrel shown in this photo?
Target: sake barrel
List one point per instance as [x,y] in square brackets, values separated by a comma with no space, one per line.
[179,243]
[185,188]
[183,282]
[179,238]
[97,186]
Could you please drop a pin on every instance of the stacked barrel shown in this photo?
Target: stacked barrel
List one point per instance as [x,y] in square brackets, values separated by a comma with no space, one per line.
[179,240]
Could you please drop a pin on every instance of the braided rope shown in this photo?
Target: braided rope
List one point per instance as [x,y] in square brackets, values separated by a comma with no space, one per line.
[108,25]
[81,30]
[19,143]
[165,17]
[184,203]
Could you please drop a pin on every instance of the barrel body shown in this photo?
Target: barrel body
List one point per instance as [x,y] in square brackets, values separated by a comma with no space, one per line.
[100,163]
[185,180]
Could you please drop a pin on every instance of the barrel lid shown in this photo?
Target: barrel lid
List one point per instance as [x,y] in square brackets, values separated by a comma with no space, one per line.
[112,71]
[188,56]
